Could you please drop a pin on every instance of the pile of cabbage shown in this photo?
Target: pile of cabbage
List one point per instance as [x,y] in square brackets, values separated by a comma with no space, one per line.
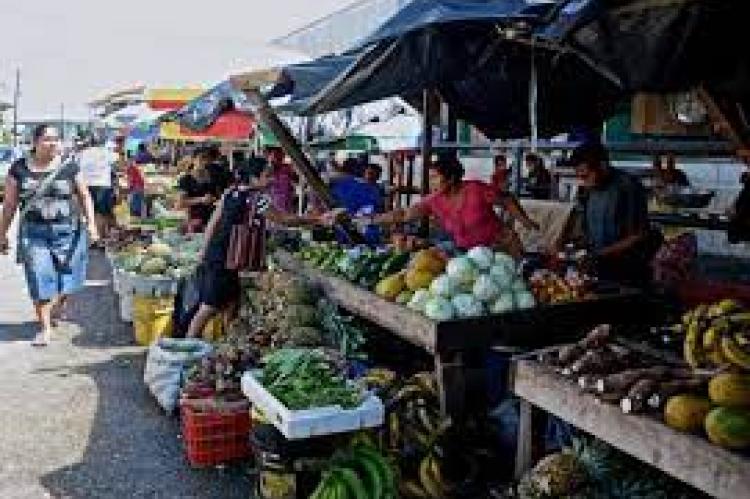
[481,282]
[162,258]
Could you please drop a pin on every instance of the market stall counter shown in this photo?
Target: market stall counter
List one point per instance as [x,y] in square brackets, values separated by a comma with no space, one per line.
[689,458]
[457,345]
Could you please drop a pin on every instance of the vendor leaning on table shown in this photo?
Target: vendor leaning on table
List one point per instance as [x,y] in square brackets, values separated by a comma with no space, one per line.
[614,216]
[465,209]
[218,286]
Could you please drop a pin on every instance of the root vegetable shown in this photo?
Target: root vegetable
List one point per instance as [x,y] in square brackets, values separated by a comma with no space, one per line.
[669,388]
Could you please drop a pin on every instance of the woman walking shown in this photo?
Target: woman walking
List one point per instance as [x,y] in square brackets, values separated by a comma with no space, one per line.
[52,245]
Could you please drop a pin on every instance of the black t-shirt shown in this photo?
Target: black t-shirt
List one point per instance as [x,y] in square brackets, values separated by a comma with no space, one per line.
[221,177]
[192,188]
[56,205]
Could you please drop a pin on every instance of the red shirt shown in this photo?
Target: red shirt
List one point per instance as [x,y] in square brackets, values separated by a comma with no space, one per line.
[469,217]
[136,180]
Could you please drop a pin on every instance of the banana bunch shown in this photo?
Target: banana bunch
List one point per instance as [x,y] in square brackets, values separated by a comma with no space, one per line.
[430,483]
[717,335]
[359,473]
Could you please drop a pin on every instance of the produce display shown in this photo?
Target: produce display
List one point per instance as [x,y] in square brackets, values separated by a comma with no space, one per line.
[305,378]
[282,310]
[168,257]
[590,468]
[549,287]
[711,401]
[361,472]
[716,335]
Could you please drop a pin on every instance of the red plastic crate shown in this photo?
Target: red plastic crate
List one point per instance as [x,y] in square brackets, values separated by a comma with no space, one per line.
[215,432]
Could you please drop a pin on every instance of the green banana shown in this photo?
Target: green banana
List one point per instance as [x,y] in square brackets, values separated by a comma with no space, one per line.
[370,473]
[385,470]
[323,488]
[354,486]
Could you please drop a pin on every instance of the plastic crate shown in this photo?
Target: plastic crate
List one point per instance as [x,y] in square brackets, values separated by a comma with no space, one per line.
[215,432]
[319,421]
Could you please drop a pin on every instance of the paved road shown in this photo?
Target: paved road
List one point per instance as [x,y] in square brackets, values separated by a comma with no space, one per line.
[75,418]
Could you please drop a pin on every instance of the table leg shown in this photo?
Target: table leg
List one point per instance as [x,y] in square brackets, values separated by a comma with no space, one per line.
[524,439]
[449,369]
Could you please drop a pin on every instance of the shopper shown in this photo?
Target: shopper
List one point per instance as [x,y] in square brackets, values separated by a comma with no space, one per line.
[136,189]
[219,286]
[198,193]
[671,175]
[615,216]
[98,163]
[52,243]
[539,182]
[465,209]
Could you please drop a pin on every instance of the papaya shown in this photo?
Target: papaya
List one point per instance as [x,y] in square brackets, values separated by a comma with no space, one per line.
[390,287]
[729,427]
[730,389]
[419,279]
[686,412]
[429,260]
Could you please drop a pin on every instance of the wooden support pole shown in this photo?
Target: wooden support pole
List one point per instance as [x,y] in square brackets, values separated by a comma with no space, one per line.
[302,163]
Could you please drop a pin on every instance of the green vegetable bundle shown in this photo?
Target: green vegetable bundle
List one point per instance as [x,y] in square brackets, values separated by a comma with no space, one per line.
[304,378]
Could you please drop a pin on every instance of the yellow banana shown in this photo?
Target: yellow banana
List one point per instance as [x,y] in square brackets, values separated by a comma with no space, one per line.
[426,381]
[410,488]
[742,339]
[734,353]
[434,488]
[394,430]
[716,357]
[692,348]
[712,335]
[722,307]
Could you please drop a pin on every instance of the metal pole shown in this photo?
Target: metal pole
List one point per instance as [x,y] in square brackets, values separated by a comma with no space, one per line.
[16,99]
[427,120]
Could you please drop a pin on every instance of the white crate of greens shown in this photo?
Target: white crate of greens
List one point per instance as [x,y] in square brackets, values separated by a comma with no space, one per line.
[312,421]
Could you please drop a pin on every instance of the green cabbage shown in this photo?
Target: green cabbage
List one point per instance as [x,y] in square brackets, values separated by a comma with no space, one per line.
[481,256]
[438,308]
[443,285]
[485,288]
[419,300]
[467,306]
[462,270]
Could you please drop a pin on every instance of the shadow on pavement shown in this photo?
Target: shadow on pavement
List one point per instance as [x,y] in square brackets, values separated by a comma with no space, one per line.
[18,332]
[134,449]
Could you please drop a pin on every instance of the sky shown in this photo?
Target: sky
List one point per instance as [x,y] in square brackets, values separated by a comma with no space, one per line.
[73,51]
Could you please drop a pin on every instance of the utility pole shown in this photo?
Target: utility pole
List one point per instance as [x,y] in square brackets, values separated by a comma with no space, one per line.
[62,121]
[16,99]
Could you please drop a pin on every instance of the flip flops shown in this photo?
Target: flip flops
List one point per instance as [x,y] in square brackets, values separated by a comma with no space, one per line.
[40,340]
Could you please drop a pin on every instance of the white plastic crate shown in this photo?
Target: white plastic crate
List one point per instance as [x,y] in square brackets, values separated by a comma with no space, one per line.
[296,425]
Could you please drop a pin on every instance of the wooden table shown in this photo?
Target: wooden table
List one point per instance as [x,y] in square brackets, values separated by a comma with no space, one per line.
[689,458]
[457,346]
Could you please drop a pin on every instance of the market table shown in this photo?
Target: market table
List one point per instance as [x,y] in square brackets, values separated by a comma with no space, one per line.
[457,345]
[689,458]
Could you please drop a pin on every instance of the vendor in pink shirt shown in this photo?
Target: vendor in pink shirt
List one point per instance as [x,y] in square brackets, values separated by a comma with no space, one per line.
[280,179]
[465,209]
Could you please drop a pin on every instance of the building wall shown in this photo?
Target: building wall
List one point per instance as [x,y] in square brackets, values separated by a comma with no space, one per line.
[341,30]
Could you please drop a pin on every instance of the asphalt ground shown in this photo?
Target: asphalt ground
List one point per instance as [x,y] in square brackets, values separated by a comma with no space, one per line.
[76,420]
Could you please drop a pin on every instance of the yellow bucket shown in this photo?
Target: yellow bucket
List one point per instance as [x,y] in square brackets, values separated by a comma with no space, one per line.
[152,318]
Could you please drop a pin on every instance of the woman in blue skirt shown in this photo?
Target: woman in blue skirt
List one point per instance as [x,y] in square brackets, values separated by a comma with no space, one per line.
[53,241]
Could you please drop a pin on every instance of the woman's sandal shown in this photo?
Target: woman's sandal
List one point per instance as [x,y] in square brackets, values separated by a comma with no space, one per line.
[40,340]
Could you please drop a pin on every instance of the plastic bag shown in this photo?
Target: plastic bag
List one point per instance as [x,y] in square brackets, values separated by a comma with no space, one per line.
[166,364]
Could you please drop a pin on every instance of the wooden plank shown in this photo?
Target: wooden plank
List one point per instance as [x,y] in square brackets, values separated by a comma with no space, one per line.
[399,320]
[689,458]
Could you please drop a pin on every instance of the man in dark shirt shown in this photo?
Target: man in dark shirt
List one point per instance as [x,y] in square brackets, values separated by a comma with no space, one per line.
[615,214]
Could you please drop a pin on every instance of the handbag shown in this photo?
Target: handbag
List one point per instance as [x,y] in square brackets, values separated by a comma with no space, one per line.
[41,188]
[247,239]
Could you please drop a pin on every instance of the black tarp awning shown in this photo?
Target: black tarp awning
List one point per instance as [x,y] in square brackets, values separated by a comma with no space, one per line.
[589,54]
[420,14]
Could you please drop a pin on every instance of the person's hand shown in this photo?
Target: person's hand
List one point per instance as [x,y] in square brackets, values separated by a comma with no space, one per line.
[330,218]
[4,245]
[209,199]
